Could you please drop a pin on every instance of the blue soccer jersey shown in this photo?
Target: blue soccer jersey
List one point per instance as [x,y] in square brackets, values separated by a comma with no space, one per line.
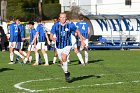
[63,34]
[83,28]
[40,29]
[32,34]
[11,32]
[16,32]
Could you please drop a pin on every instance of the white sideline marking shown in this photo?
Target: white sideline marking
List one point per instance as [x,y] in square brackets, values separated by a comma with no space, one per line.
[19,85]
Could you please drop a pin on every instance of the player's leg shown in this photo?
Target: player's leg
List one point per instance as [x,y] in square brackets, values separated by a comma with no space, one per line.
[55,56]
[44,53]
[64,55]
[79,56]
[86,51]
[11,49]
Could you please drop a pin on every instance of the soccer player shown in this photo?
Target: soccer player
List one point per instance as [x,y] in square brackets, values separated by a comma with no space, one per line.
[74,45]
[11,41]
[31,47]
[85,31]
[16,35]
[63,31]
[20,39]
[42,36]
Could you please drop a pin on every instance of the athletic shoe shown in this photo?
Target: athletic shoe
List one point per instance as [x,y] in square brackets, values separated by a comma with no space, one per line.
[67,77]
[17,59]
[46,64]
[35,64]
[11,63]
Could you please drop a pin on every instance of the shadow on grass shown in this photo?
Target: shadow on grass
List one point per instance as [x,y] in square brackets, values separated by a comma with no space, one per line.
[83,77]
[5,69]
[95,61]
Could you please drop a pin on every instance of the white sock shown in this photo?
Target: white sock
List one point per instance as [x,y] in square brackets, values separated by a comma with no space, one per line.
[24,53]
[11,57]
[80,57]
[46,58]
[65,67]
[86,57]
[68,58]
[37,57]
[54,59]
[18,54]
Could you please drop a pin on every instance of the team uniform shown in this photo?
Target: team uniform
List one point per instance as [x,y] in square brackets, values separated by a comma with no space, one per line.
[41,43]
[41,37]
[63,37]
[84,28]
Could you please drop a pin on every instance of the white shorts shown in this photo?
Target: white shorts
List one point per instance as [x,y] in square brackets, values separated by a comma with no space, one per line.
[12,44]
[74,44]
[31,48]
[65,50]
[41,45]
[16,45]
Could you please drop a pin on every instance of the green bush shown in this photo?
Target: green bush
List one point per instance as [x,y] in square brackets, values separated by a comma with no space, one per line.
[51,10]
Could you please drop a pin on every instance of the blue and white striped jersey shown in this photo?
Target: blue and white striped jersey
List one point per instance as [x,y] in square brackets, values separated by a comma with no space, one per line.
[63,34]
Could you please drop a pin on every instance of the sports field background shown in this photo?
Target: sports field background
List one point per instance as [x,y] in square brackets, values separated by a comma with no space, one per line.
[108,71]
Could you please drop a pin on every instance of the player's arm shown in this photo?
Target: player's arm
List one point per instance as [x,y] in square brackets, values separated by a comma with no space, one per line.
[26,38]
[48,41]
[35,37]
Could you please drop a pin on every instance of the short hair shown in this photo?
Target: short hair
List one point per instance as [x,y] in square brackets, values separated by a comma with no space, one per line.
[18,18]
[81,17]
[11,18]
[63,13]
[31,23]
[38,19]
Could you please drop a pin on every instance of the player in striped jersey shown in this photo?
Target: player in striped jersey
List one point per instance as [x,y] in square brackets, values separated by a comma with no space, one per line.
[63,31]
[85,31]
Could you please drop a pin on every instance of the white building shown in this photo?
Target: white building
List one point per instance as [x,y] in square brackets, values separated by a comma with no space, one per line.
[97,7]
[110,18]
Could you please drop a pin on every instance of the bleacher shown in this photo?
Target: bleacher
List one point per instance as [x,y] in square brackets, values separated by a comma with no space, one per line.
[100,42]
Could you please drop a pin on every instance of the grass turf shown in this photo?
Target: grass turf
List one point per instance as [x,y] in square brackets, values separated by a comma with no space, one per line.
[101,75]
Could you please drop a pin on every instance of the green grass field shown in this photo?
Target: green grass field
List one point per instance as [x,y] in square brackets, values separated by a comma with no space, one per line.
[112,71]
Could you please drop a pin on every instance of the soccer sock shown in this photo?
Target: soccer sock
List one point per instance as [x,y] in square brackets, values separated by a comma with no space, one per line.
[86,57]
[11,57]
[18,54]
[54,59]
[37,57]
[46,58]
[24,53]
[65,67]
[68,58]
[80,57]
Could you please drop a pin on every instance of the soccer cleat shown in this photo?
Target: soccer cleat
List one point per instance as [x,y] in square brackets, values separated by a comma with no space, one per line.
[46,64]
[11,63]
[67,77]
[17,59]
[35,64]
